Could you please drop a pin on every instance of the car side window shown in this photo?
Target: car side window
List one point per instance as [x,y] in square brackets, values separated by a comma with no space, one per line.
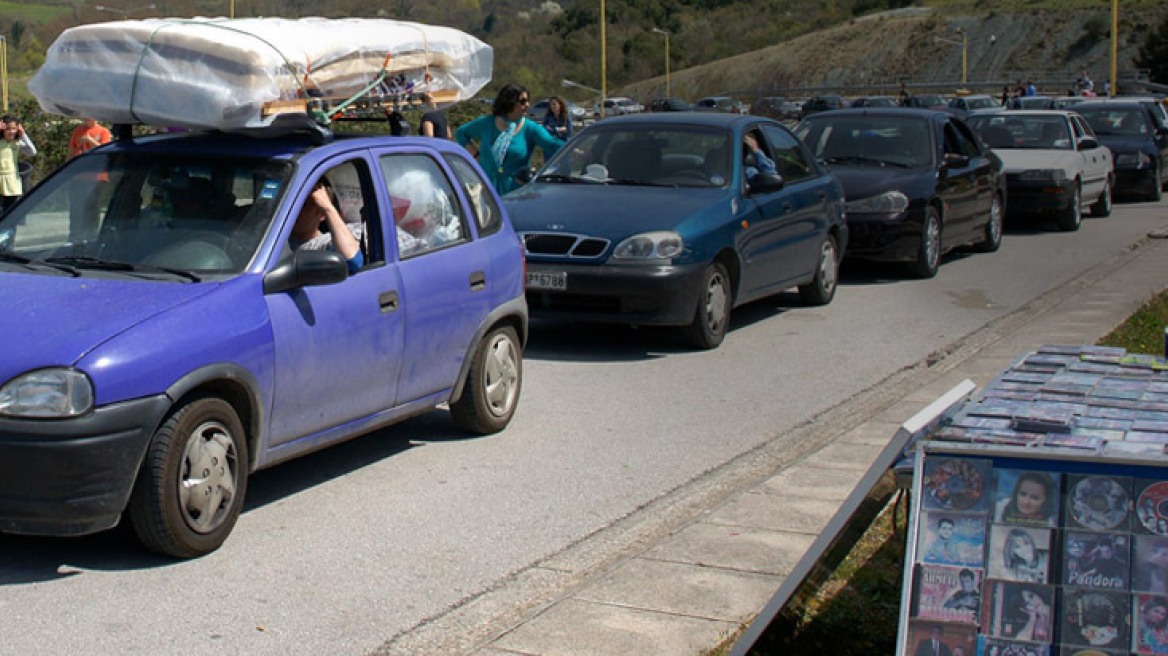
[353,186]
[1077,130]
[958,141]
[790,158]
[426,213]
[488,217]
[1083,127]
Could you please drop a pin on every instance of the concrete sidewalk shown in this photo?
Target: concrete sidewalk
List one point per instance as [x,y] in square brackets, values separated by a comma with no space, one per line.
[641,589]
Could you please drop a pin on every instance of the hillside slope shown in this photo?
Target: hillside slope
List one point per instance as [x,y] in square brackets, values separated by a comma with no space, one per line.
[877,52]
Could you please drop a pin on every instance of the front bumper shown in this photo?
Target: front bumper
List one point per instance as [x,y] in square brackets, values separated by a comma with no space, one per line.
[73,476]
[1030,196]
[885,237]
[651,295]
[1136,181]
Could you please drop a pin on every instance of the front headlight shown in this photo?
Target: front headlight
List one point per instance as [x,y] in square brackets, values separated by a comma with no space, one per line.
[661,245]
[1133,160]
[1053,175]
[47,393]
[889,202]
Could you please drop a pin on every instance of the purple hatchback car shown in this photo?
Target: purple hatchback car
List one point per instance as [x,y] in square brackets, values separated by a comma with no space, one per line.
[179,315]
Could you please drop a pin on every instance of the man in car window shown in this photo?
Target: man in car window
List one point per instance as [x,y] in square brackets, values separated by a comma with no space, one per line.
[755,160]
[320,209]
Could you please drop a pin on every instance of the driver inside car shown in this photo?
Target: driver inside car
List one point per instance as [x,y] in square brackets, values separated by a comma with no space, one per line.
[320,210]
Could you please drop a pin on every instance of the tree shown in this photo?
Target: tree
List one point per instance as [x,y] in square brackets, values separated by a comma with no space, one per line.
[1153,54]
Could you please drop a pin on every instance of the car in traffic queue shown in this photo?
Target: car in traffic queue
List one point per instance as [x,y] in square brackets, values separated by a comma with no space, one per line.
[917,183]
[718,104]
[822,103]
[776,107]
[1139,147]
[540,109]
[617,106]
[1053,163]
[175,337]
[926,101]
[1033,102]
[874,101]
[964,106]
[666,219]
[670,104]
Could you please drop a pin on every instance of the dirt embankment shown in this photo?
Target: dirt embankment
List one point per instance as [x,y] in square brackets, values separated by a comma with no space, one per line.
[924,49]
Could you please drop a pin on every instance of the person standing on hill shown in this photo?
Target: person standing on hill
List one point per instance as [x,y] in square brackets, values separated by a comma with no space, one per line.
[504,141]
[14,144]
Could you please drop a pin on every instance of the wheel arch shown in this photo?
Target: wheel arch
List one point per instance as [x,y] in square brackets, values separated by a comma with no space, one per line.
[512,313]
[235,385]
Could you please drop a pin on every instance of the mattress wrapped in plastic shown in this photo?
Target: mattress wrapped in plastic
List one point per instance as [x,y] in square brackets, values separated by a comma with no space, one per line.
[226,74]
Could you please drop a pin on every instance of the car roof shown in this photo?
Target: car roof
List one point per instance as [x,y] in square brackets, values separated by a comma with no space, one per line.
[1031,112]
[270,145]
[705,119]
[1103,104]
[922,112]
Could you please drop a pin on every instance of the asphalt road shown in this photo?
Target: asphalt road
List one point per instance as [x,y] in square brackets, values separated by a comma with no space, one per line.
[344,550]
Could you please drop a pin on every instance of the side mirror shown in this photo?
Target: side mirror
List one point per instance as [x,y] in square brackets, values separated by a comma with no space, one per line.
[306,269]
[955,160]
[525,175]
[764,183]
[1087,143]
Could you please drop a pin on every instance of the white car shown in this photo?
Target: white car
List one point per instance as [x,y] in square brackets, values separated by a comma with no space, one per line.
[1053,163]
[618,106]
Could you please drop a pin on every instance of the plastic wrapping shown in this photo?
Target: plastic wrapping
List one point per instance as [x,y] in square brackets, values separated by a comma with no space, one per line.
[219,73]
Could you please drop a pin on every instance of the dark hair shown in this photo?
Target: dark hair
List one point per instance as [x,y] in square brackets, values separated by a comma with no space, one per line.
[8,118]
[563,115]
[507,98]
[965,573]
[1011,511]
[945,520]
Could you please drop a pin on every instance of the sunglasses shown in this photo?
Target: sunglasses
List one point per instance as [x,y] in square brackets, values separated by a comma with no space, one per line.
[524,101]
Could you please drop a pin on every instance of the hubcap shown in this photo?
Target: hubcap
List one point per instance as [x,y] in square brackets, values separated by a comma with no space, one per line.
[716,302]
[995,226]
[501,375]
[1077,208]
[932,242]
[1107,197]
[827,268]
[207,483]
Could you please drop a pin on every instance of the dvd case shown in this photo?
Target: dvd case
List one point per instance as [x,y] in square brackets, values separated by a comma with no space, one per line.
[1098,503]
[957,484]
[947,594]
[1095,618]
[948,538]
[1151,502]
[998,647]
[1150,624]
[1018,553]
[928,638]
[1096,560]
[1150,564]
[1026,497]
[1018,611]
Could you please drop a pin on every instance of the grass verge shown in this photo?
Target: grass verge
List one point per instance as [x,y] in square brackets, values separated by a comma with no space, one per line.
[855,612]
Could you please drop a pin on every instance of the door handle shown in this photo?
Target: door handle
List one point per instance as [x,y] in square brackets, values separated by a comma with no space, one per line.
[478,281]
[786,208]
[823,195]
[387,301]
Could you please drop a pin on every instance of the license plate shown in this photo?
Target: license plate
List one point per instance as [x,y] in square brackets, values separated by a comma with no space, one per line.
[543,280]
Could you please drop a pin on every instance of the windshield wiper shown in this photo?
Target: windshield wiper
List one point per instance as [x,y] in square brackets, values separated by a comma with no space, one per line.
[639,183]
[87,262]
[853,159]
[559,177]
[9,256]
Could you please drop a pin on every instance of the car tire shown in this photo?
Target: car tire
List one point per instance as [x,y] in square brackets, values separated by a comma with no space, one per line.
[712,314]
[928,259]
[493,383]
[1070,219]
[992,239]
[821,289]
[190,488]
[1102,206]
[1157,187]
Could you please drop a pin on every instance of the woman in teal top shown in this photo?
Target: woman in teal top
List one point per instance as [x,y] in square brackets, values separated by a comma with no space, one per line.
[506,139]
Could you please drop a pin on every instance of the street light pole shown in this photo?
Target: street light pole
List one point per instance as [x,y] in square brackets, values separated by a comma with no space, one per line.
[603,59]
[666,34]
[964,43]
[1114,41]
[124,12]
[4,72]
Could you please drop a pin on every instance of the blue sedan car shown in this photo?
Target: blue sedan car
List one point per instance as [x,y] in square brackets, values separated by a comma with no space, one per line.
[675,219]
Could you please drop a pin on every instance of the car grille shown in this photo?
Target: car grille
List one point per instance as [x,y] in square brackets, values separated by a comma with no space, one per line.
[558,243]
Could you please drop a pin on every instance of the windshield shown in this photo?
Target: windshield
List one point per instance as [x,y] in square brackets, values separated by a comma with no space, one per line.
[643,155]
[1119,121]
[859,140]
[982,103]
[145,214]
[1023,132]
